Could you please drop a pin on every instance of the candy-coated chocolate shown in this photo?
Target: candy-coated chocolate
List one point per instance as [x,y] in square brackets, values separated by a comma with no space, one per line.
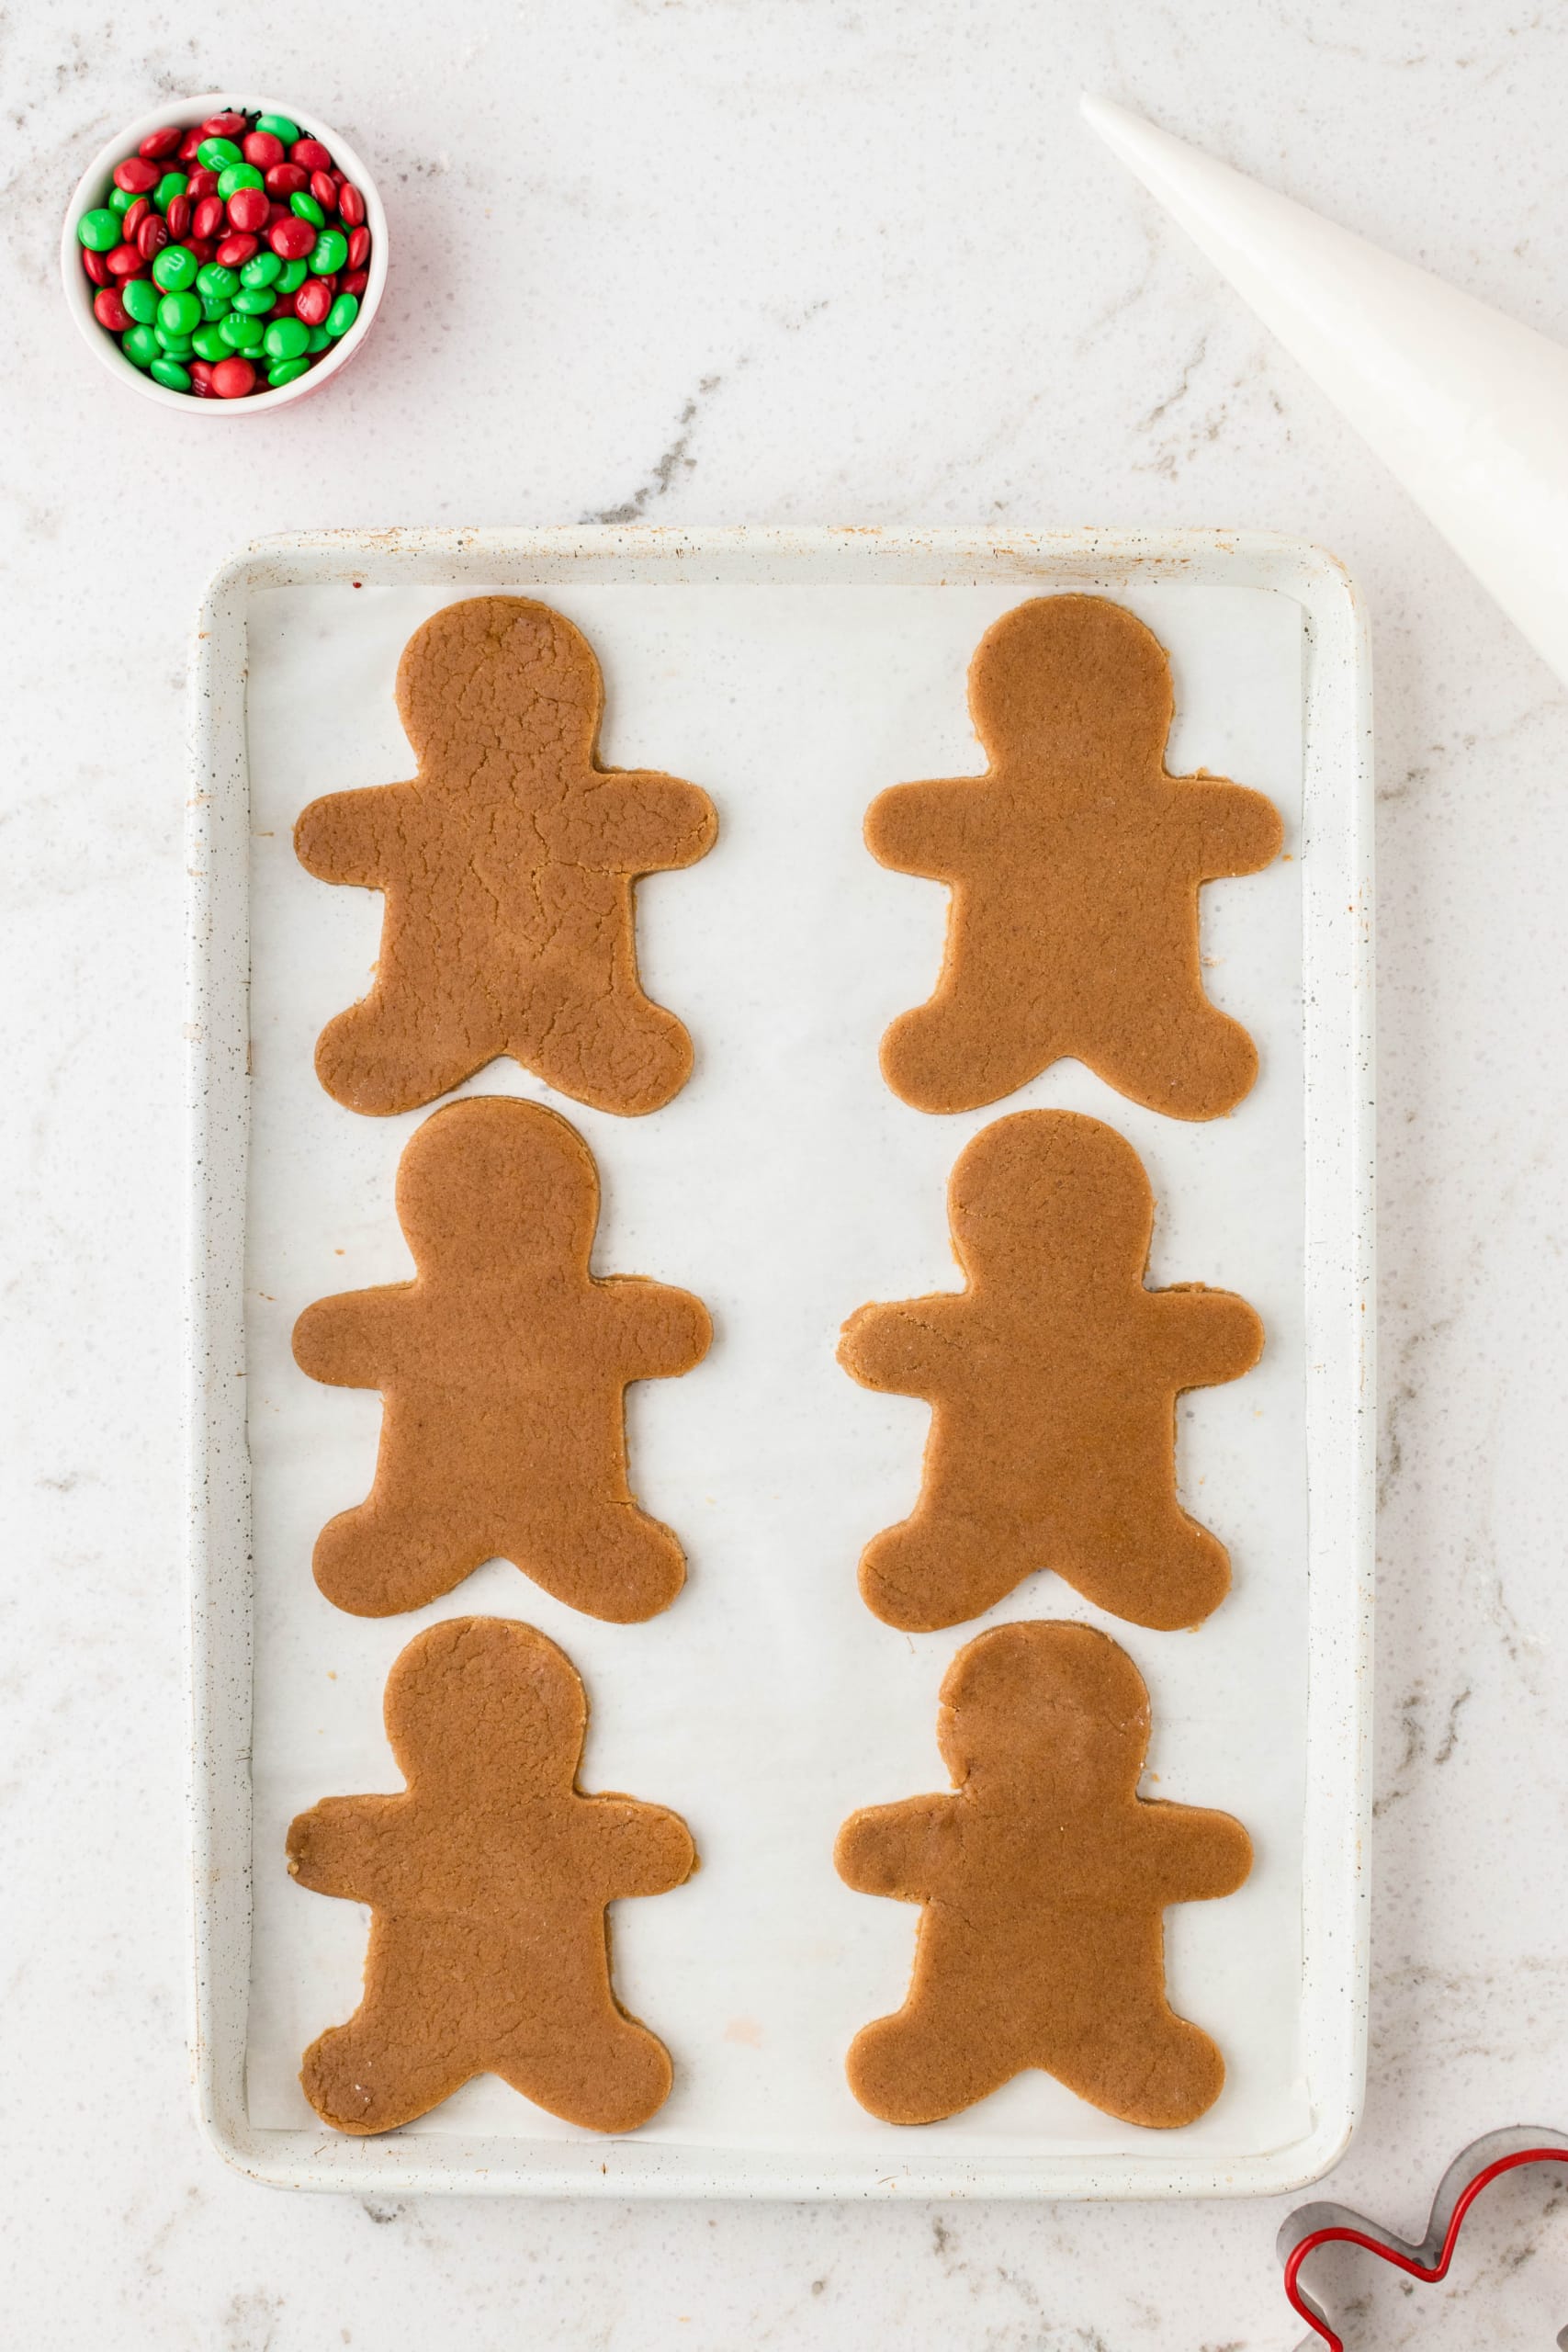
[110,309]
[180,313]
[285,178]
[99,229]
[342,315]
[201,183]
[314,301]
[188,145]
[294,239]
[172,184]
[141,299]
[295,273]
[304,208]
[121,200]
[124,261]
[235,176]
[175,268]
[283,371]
[323,188]
[355,283]
[241,331]
[262,269]
[233,251]
[358,247]
[209,342]
[286,339]
[136,175]
[159,144]
[262,148]
[255,301]
[140,346]
[232,378]
[330,253]
[168,372]
[321,339]
[218,154]
[176,218]
[98,266]
[280,127]
[311,154]
[130,219]
[227,125]
[248,208]
[209,217]
[151,236]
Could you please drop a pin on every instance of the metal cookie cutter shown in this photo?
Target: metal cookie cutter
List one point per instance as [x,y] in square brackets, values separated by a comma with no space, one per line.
[1483,2161]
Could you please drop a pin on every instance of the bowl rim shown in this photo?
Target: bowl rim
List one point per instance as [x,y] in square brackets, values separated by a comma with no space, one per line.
[91,189]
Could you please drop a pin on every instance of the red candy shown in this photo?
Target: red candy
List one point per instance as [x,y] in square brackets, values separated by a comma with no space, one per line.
[286,180]
[201,183]
[223,126]
[98,266]
[109,310]
[159,144]
[176,217]
[201,247]
[125,261]
[312,301]
[323,188]
[291,239]
[200,378]
[152,236]
[232,378]
[232,252]
[189,144]
[260,147]
[311,154]
[358,247]
[355,283]
[351,204]
[248,209]
[132,218]
[207,220]
[136,175]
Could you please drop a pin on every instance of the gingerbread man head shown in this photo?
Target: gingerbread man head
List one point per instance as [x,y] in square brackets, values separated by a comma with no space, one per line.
[498,680]
[1048,1199]
[1037,693]
[1055,1706]
[480,1705]
[492,1177]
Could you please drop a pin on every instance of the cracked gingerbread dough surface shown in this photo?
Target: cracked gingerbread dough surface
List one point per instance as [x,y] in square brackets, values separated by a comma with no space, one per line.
[508,866]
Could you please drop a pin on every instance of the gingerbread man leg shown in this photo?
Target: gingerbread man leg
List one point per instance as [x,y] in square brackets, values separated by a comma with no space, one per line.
[930,2060]
[1179,1054]
[940,1567]
[967,1045]
[400,1046]
[617,1051]
[390,1554]
[1141,2063]
[368,2077]
[1149,1563]
[608,2074]
[609,1559]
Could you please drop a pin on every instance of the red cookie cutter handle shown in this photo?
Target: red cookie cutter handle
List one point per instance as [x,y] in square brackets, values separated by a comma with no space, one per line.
[1486,2160]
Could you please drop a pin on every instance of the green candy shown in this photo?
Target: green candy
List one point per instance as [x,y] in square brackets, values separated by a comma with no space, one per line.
[280,127]
[210,343]
[287,369]
[295,273]
[140,299]
[342,315]
[173,347]
[216,281]
[141,346]
[216,154]
[175,268]
[320,340]
[120,199]
[170,372]
[180,313]
[172,184]
[99,229]
[255,299]
[214,307]
[287,339]
[330,253]
[262,269]
[306,209]
[240,332]
[237,177]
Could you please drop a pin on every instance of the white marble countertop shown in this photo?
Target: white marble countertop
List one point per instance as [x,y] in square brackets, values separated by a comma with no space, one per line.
[797,260]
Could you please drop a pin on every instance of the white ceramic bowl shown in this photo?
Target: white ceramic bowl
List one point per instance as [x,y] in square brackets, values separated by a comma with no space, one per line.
[92,188]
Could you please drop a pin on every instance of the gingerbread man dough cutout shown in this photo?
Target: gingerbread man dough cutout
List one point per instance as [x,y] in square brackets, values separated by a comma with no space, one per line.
[1052,1377]
[1073,865]
[488,1880]
[502,1368]
[1044,1878]
[508,869]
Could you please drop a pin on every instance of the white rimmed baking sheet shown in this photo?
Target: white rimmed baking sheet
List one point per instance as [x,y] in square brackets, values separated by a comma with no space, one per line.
[785,1185]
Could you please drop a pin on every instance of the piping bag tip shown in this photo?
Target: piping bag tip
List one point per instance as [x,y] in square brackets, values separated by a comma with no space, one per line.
[1464,405]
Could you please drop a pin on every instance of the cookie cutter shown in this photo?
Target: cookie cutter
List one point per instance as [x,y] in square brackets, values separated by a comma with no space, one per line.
[1473,2169]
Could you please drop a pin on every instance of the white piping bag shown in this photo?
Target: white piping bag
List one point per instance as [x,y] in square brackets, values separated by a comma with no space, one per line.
[1468,409]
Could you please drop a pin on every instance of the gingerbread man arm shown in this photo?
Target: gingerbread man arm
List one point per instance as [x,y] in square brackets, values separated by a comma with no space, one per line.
[903,1347]
[633,820]
[345,1846]
[1199,1854]
[1205,1337]
[933,829]
[902,1850]
[638,1848]
[660,1332]
[1239,830]
[356,837]
[350,1340]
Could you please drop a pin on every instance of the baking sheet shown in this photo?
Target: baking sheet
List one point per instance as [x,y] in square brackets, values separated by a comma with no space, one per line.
[785,1185]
